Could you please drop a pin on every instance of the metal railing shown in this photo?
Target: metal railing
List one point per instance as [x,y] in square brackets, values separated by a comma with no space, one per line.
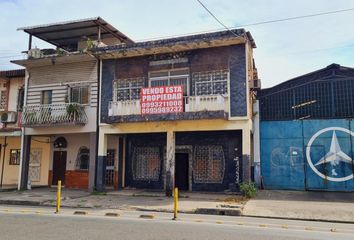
[54,114]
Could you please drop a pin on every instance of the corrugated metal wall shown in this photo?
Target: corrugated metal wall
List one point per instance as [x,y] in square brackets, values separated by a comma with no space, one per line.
[59,78]
[308,154]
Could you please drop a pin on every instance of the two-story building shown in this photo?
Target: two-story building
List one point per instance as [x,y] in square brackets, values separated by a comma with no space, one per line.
[177,112]
[60,104]
[11,103]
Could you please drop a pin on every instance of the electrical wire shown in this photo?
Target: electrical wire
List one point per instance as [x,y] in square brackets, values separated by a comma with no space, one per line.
[275,20]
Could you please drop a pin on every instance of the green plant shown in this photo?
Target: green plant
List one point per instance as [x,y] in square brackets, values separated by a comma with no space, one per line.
[89,44]
[73,110]
[248,189]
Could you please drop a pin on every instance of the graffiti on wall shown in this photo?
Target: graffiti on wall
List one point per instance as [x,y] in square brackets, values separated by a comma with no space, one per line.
[336,165]
[308,154]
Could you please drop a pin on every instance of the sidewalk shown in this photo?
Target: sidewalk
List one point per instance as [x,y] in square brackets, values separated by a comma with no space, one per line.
[202,203]
[323,206]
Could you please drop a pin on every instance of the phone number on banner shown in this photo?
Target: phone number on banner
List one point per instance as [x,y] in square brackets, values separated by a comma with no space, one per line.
[153,110]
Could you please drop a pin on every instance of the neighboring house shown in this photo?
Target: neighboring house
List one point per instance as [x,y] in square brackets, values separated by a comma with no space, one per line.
[307,131]
[196,135]
[11,103]
[60,113]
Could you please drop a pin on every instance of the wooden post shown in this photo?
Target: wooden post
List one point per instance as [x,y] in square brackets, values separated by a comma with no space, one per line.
[170,163]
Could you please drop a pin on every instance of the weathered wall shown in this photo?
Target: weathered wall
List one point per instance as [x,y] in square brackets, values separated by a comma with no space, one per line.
[11,172]
[231,142]
[297,154]
[231,57]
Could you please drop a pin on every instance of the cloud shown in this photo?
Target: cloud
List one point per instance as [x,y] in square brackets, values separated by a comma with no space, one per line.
[285,49]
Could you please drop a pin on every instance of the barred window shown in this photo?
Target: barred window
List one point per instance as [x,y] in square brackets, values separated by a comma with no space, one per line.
[146,163]
[208,164]
[2,99]
[83,158]
[210,82]
[15,156]
[127,89]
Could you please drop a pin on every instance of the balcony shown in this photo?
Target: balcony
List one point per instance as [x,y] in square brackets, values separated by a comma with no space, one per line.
[193,105]
[54,115]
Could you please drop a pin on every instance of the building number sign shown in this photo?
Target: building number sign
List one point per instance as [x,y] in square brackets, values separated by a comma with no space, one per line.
[161,100]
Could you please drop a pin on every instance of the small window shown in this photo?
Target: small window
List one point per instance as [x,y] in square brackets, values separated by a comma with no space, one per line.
[83,158]
[79,95]
[15,155]
[46,97]
[20,99]
[2,99]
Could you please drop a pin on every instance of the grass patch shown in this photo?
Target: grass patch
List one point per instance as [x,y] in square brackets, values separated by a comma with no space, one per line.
[95,193]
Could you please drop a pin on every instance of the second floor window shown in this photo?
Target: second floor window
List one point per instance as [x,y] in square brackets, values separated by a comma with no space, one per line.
[46,97]
[2,99]
[170,78]
[79,95]
[20,99]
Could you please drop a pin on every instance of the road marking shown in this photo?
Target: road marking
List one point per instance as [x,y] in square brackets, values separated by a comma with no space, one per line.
[147,216]
[308,228]
[262,225]
[285,226]
[80,213]
[219,222]
[24,211]
[112,214]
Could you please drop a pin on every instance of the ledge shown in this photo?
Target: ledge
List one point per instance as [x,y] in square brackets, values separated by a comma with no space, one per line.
[167,117]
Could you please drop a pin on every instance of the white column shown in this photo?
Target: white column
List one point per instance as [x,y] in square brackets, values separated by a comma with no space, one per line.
[170,162]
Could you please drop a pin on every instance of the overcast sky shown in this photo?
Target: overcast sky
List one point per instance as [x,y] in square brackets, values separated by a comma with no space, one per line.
[284,50]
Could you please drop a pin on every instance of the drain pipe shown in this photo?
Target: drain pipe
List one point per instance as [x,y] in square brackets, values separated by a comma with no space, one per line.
[27,77]
[3,162]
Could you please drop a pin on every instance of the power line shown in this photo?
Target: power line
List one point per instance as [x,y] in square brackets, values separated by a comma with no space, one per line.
[275,20]
[220,22]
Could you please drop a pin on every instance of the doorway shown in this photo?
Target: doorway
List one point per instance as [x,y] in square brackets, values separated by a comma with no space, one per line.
[181,171]
[59,167]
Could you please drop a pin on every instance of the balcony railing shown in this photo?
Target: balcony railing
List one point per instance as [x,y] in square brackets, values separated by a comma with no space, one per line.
[191,104]
[54,114]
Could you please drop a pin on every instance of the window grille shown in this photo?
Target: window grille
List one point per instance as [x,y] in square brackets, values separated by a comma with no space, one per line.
[2,99]
[208,164]
[333,98]
[210,83]
[127,89]
[146,163]
[83,158]
[34,172]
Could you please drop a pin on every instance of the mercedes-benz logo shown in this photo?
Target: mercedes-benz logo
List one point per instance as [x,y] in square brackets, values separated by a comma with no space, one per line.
[334,156]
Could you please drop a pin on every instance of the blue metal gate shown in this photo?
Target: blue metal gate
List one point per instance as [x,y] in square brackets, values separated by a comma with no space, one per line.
[308,154]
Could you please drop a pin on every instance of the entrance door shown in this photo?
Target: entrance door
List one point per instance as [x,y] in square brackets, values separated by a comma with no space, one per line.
[59,167]
[181,171]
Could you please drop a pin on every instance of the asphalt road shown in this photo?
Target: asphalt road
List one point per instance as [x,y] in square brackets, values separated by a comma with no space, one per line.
[35,224]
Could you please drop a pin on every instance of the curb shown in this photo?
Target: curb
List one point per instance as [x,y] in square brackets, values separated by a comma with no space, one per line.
[219,211]
[20,202]
[300,219]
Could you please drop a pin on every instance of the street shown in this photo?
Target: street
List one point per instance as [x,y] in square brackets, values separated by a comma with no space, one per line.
[41,223]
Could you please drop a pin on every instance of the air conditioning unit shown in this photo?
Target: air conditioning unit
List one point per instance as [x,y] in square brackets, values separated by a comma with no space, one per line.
[8,117]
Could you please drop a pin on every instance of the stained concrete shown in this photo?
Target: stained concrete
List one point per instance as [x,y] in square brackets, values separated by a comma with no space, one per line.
[324,206]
